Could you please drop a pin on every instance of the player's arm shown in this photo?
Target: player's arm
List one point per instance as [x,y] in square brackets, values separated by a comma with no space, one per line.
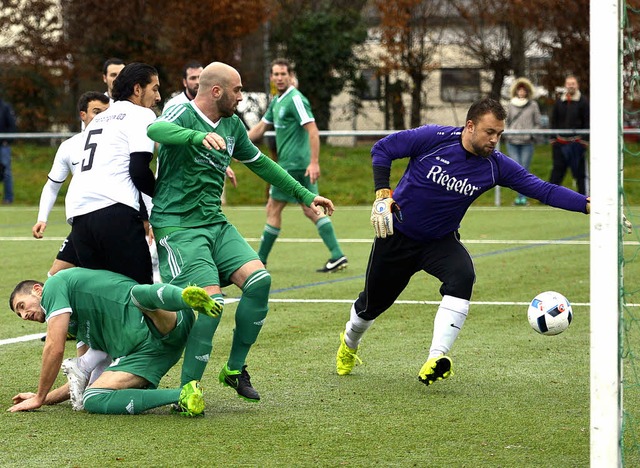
[52,356]
[169,133]
[313,170]
[271,172]
[47,200]
[140,172]
[257,131]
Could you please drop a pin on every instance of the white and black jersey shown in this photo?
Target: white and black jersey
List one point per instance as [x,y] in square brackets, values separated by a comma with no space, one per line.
[66,161]
[103,178]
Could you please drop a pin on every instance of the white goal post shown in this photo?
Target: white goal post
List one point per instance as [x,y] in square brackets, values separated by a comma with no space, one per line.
[605,280]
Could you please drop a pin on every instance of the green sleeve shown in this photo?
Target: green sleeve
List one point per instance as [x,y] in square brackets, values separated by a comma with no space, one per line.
[275,175]
[169,133]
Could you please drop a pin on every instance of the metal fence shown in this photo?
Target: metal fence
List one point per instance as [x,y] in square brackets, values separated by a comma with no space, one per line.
[350,137]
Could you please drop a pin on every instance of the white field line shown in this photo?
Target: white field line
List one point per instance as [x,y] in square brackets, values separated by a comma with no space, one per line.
[37,336]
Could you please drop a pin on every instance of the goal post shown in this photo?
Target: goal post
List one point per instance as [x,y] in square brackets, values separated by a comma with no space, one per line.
[605,251]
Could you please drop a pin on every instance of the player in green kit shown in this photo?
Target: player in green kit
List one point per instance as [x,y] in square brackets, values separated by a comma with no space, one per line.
[196,243]
[298,148]
[144,328]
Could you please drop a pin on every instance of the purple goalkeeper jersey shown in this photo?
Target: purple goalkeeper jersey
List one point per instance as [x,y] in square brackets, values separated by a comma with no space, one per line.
[443,179]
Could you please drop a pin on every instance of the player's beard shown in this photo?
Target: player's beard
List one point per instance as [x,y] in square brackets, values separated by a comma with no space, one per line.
[227,104]
[482,150]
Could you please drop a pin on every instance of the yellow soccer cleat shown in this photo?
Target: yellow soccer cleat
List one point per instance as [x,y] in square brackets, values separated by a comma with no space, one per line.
[346,359]
[198,299]
[436,368]
[191,399]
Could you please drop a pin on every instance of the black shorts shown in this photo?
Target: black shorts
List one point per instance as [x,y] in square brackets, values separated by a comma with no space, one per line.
[395,259]
[113,238]
[67,252]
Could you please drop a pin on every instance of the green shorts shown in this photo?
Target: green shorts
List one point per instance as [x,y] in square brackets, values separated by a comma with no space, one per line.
[156,354]
[277,194]
[204,256]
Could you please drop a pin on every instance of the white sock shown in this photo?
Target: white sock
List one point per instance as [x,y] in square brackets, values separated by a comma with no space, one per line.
[355,329]
[99,369]
[447,324]
[92,358]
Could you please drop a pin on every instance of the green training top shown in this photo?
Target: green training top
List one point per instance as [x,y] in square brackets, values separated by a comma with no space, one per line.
[288,113]
[191,177]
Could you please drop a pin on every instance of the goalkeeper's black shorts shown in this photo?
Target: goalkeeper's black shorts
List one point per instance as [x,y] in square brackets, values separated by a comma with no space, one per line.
[395,259]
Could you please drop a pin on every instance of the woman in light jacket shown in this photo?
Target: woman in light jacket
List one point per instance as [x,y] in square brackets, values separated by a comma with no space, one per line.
[523,113]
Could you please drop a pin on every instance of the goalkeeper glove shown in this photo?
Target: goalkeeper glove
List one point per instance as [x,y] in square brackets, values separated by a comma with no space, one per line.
[382,213]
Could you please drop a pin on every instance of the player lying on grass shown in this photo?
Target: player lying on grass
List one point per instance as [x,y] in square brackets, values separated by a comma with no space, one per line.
[143,327]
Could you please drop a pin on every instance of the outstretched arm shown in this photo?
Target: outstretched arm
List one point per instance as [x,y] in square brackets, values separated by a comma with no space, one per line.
[52,356]
[169,133]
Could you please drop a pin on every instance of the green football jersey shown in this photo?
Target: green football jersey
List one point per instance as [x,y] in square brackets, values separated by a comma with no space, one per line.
[288,113]
[190,177]
[106,318]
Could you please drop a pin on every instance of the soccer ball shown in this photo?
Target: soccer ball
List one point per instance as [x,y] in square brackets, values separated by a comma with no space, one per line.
[550,313]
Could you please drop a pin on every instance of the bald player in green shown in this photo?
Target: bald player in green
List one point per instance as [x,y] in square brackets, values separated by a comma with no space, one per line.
[196,243]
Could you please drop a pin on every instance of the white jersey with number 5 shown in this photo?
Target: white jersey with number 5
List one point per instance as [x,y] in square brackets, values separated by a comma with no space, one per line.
[103,177]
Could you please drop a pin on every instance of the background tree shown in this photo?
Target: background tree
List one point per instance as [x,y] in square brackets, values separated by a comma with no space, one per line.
[33,69]
[319,37]
[57,48]
[495,32]
[564,35]
[410,33]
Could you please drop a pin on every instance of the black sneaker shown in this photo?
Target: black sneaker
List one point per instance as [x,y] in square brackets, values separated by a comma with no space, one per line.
[240,381]
[334,265]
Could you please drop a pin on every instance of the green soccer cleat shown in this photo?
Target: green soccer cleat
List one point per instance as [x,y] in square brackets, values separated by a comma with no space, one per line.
[436,368]
[346,359]
[198,299]
[240,381]
[191,399]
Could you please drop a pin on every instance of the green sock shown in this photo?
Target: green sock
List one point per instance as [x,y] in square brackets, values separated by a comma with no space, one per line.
[199,345]
[128,400]
[269,236]
[325,229]
[158,296]
[250,315]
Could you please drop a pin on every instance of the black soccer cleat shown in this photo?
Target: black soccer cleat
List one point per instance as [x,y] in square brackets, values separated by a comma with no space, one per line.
[240,381]
[334,265]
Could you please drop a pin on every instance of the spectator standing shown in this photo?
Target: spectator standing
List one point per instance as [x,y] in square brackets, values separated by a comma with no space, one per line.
[7,125]
[103,203]
[449,168]
[298,150]
[571,112]
[523,113]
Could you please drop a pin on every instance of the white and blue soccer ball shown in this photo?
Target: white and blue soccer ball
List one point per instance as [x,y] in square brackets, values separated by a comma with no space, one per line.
[550,313]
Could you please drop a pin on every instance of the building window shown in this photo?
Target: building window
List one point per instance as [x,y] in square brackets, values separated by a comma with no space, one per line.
[371,84]
[459,84]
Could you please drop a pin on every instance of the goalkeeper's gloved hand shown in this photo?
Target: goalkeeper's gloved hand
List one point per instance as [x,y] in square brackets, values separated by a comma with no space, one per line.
[626,225]
[382,213]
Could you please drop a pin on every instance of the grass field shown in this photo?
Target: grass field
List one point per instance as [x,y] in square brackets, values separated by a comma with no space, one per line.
[517,399]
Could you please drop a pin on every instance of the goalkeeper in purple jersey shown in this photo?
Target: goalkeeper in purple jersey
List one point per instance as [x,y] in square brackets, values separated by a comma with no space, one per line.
[449,168]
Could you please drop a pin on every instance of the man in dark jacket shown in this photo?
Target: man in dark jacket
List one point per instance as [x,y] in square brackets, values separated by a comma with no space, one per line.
[571,111]
[7,125]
